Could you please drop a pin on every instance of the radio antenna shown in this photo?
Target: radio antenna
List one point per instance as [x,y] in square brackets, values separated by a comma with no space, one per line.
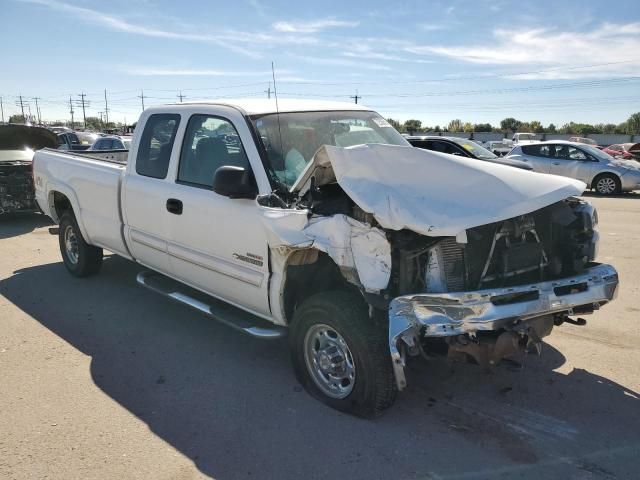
[275,93]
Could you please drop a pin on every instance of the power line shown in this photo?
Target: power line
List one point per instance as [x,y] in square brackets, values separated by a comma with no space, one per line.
[180,96]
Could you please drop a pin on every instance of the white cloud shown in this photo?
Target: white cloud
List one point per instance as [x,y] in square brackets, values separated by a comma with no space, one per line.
[236,41]
[338,62]
[312,26]
[190,72]
[612,44]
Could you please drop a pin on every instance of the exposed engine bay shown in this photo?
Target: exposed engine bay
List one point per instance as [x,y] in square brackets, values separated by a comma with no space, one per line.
[16,188]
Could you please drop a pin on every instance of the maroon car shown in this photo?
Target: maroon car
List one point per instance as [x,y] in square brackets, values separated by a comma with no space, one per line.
[626,151]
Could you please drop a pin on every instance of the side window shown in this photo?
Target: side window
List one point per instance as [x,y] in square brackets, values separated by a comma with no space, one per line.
[439,146]
[419,143]
[575,154]
[538,150]
[154,151]
[209,143]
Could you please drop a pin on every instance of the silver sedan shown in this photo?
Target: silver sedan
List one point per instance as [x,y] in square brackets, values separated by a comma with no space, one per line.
[600,171]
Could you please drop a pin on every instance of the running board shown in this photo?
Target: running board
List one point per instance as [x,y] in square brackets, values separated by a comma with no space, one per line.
[229,315]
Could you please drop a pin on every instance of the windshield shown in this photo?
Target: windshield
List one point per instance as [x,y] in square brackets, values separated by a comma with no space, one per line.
[526,136]
[291,143]
[475,150]
[596,152]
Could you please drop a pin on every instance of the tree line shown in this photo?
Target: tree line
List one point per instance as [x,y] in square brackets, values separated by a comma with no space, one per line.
[630,127]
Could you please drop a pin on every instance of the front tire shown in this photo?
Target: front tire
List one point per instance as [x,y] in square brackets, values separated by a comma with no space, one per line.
[607,184]
[80,258]
[341,356]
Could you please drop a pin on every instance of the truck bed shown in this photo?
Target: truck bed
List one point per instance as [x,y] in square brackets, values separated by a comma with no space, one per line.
[92,181]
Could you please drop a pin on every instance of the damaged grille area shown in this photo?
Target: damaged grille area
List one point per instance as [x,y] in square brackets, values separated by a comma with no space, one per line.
[554,242]
[16,188]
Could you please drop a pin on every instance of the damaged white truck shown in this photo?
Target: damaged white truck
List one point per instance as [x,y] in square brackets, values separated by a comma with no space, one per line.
[319,220]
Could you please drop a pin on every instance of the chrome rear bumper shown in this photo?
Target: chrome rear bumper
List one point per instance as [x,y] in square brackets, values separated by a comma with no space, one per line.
[448,314]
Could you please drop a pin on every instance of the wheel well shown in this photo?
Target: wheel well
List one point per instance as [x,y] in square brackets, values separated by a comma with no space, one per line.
[61,204]
[305,280]
[605,174]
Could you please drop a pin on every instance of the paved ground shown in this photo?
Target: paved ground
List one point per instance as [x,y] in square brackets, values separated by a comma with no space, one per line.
[102,379]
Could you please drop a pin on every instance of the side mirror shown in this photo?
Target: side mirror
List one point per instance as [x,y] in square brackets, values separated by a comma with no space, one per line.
[234,182]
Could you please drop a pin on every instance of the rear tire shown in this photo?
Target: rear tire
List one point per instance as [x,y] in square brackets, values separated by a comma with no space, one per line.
[607,184]
[334,328]
[80,258]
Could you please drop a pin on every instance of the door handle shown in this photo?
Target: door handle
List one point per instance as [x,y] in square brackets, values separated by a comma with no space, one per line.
[556,163]
[174,206]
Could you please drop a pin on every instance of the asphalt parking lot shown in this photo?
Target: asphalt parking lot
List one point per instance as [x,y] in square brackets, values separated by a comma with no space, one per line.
[102,379]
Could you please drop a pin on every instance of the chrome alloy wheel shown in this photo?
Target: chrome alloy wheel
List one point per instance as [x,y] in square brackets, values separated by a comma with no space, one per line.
[606,186]
[329,361]
[71,244]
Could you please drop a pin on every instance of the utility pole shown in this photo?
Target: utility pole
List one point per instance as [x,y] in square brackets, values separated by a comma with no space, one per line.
[38,110]
[106,107]
[22,107]
[30,116]
[356,96]
[84,115]
[141,97]
[2,109]
[71,110]
[180,96]
[268,91]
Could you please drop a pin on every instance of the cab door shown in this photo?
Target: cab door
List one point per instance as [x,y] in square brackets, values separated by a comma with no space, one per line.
[217,244]
[147,192]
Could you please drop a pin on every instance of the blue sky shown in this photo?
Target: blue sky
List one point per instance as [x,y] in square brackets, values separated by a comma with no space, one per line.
[479,61]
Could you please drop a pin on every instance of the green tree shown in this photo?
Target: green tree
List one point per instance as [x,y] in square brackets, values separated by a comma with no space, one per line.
[510,123]
[437,129]
[396,124]
[633,124]
[467,127]
[536,126]
[16,119]
[551,128]
[413,126]
[482,127]
[455,125]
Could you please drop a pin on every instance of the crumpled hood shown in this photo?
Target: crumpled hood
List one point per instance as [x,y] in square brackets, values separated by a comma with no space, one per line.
[626,164]
[433,193]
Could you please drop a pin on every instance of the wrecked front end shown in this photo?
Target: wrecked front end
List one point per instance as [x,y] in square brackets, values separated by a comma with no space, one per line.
[484,257]
[17,192]
[501,288]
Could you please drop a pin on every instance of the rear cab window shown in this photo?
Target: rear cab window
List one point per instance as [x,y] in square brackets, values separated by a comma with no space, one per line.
[156,144]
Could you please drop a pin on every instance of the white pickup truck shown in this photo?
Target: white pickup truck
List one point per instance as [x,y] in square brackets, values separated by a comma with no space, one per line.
[319,220]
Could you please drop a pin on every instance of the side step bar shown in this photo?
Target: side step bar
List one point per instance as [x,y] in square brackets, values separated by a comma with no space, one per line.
[222,312]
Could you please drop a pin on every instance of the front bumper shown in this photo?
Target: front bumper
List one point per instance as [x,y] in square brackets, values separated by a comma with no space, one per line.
[449,314]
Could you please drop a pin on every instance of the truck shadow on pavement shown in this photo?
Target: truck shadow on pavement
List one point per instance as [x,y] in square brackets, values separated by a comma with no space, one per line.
[15,224]
[232,405]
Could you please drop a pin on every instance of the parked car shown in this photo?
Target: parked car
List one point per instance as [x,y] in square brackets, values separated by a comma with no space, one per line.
[17,144]
[626,151]
[57,130]
[499,147]
[88,138]
[586,141]
[70,141]
[109,143]
[600,171]
[524,138]
[360,251]
[464,148]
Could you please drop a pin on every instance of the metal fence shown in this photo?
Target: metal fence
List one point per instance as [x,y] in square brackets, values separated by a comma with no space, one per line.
[604,139]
